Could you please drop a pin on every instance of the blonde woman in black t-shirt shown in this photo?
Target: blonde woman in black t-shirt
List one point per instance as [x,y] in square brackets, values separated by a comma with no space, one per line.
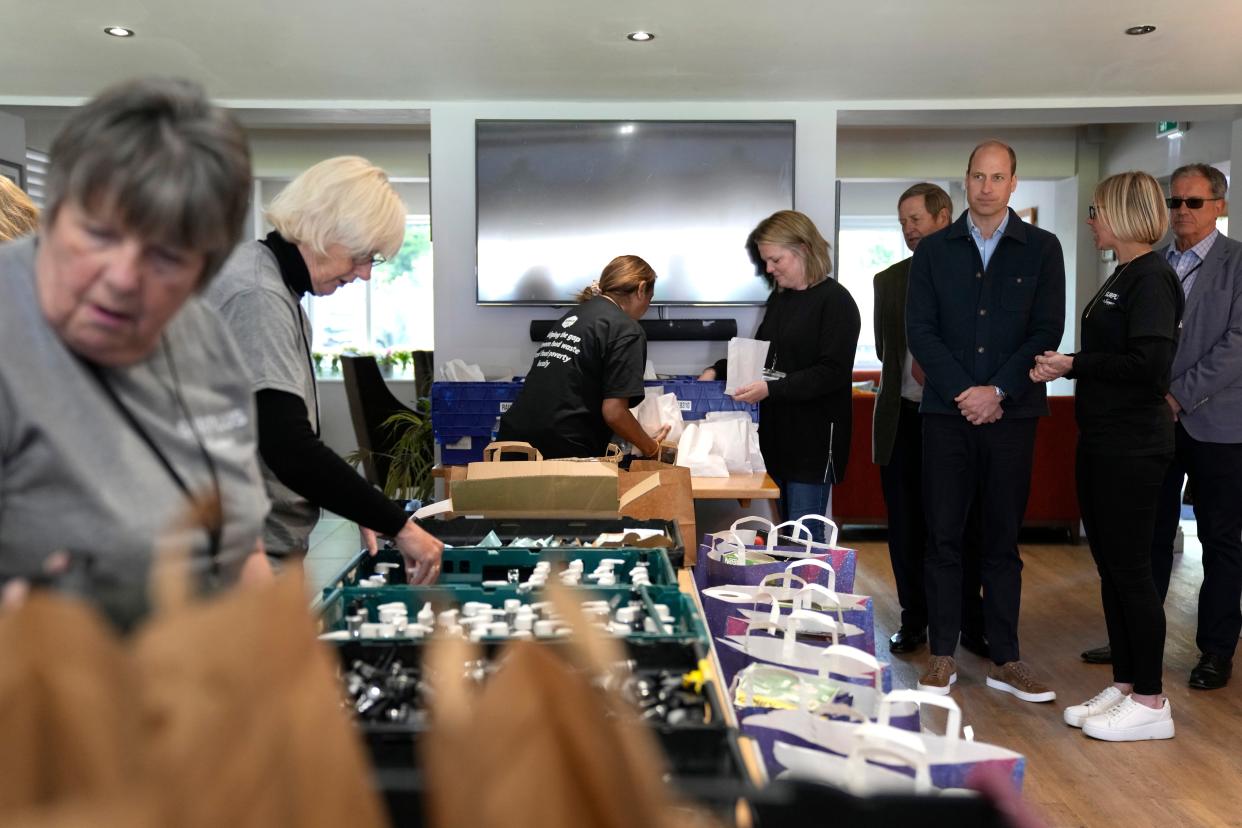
[1125,444]
[589,371]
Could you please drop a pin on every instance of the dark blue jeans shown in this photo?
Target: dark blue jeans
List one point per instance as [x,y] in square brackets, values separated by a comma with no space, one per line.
[962,464]
[798,499]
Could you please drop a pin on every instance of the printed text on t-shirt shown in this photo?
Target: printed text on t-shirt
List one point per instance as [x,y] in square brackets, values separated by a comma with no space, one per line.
[558,345]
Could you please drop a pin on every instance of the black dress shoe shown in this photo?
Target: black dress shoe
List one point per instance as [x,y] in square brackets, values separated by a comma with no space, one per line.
[1212,672]
[1098,655]
[976,644]
[906,641]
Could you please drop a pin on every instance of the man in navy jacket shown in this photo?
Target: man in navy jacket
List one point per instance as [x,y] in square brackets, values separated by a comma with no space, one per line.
[986,295]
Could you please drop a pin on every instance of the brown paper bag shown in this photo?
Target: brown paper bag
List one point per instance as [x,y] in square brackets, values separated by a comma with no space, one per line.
[538,746]
[67,707]
[243,717]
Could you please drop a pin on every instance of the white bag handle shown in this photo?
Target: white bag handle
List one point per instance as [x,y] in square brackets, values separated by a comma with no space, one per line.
[803,600]
[819,564]
[831,532]
[953,727]
[889,745]
[775,535]
[784,579]
[758,625]
[731,542]
[834,627]
[844,652]
[767,524]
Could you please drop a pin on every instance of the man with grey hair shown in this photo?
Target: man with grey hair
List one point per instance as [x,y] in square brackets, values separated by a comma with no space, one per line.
[1205,397]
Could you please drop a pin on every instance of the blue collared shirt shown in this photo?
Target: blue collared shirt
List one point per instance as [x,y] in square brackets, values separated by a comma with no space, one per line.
[1187,262]
[986,246]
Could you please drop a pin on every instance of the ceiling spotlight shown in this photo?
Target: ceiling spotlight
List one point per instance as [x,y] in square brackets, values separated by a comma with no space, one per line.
[118,31]
[640,37]
[1140,30]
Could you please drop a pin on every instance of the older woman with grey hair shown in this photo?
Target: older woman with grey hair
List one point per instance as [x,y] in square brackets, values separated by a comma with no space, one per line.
[333,223]
[123,401]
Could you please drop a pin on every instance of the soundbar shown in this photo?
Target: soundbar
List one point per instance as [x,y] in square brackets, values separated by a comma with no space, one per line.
[663,330]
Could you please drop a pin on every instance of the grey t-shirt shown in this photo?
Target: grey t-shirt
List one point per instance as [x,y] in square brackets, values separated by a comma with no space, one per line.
[275,339]
[74,473]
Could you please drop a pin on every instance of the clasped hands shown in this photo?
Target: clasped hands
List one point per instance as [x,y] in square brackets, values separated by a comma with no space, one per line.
[1051,365]
[980,404]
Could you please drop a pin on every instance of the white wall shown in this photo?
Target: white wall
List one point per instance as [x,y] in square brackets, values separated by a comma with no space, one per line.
[1136,147]
[914,154]
[283,153]
[498,338]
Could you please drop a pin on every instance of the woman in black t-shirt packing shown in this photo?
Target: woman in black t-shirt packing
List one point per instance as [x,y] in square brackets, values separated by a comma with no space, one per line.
[1125,444]
[589,371]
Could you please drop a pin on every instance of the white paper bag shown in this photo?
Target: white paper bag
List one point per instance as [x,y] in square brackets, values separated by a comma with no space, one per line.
[746,360]
[694,452]
[658,410]
[731,442]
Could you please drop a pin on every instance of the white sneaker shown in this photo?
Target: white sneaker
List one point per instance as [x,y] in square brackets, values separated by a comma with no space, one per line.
[1076,714]
[1129,721]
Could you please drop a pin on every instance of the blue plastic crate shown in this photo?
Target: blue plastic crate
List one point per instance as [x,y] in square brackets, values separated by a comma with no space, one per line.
[468,409]
[698,397]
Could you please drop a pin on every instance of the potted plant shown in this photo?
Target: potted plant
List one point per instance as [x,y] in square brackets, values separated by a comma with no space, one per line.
[411,454]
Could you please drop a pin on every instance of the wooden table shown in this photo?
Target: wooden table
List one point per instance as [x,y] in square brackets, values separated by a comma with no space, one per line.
[740,487]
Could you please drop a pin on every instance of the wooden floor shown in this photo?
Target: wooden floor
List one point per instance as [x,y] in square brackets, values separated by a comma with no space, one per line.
[1194,779]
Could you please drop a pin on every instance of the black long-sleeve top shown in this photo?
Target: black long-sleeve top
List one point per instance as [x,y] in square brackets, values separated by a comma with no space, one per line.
[1129,337]
[294,452]
[805,423]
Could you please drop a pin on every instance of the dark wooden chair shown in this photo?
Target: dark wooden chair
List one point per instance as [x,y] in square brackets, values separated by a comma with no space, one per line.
[370,404]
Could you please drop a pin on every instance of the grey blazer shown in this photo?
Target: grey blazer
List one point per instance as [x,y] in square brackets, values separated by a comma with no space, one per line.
[890,346]
[1207,370]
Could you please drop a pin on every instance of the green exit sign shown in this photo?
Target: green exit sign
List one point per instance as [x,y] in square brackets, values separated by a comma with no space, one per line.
[1165,128]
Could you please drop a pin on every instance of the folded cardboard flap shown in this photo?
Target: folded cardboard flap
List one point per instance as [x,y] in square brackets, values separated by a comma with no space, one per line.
[657,490]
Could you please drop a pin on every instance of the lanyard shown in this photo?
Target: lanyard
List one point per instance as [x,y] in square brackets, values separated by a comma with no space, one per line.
[213,527]
[1183,279]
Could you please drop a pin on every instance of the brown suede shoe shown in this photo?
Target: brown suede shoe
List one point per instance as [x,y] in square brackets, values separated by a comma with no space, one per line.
[1017,679]
[941,672]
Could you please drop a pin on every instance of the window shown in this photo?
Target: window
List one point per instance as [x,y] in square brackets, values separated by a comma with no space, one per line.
[865,246]
[389,315]
[391,312]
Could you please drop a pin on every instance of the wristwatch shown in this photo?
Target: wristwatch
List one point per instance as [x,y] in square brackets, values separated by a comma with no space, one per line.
[1000,395]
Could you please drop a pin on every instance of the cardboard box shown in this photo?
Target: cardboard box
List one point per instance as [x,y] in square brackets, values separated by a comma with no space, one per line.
[541,488]
[538,488]
[651,489]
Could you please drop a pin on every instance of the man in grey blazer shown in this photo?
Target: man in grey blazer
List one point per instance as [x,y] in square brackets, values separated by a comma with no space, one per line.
[897,436]
[1205,397]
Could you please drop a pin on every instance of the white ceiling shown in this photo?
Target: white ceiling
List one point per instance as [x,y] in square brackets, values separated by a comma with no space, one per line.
[376,54]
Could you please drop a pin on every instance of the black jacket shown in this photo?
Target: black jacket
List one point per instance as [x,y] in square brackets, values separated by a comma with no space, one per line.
[813,335]
[967,326]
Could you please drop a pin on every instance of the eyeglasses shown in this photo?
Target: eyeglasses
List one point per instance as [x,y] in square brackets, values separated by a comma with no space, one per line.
[1092,213]
[374,260]
[1191,203]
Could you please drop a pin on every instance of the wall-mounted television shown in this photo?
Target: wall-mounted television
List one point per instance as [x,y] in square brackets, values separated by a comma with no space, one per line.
[556,200]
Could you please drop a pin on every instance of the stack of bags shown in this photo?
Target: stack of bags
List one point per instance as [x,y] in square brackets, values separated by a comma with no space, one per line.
[797,646]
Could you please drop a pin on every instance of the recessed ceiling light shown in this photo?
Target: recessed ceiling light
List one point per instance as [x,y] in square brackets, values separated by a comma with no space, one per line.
[118,31]
[640,37]
[1140,30]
